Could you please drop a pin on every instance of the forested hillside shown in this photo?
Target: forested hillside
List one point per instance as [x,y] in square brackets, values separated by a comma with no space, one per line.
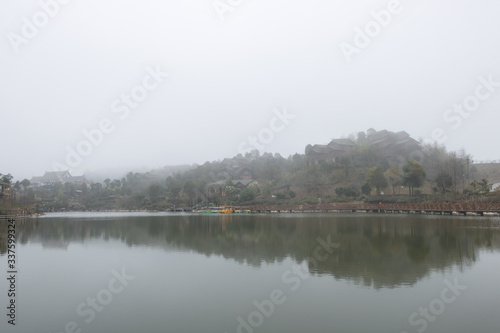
[371,166]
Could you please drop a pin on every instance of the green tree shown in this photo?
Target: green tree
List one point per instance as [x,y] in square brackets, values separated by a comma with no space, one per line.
[6,178]
[154,191]
[246,195]
[83,188]
[413,175]
[189,188]
[480,188]
[29,196]
[231,191]
[443,181]
[266,190]
[26,183]
[366,189]
[346,191]
[70,189]
[116,183]
[393,178]
[173,188]
[345,163]
[375,178]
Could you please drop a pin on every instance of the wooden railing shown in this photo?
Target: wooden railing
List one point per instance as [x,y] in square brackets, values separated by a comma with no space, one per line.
[468,207]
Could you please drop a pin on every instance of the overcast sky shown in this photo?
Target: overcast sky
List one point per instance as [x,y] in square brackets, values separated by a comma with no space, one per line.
[287,72]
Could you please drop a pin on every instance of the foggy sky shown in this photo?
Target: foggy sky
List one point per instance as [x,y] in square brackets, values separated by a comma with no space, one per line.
[230,79]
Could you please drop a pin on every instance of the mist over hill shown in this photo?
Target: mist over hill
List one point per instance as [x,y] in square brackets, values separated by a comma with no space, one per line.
[366,167]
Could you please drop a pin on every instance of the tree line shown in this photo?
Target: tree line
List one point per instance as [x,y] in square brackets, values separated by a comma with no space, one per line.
[362,174]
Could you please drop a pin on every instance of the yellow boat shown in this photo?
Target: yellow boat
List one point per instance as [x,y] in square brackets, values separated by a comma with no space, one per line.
[227,210]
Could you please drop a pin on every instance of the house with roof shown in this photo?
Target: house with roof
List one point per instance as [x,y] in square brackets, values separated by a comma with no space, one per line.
[386,143]
[332,152]
[52,177]
[217,187]
[238,167]
[391,144]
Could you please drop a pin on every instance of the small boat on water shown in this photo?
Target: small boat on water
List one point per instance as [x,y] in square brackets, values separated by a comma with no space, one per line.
[224,210]
[227,210]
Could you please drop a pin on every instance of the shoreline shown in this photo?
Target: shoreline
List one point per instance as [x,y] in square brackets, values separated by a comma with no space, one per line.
[306,209]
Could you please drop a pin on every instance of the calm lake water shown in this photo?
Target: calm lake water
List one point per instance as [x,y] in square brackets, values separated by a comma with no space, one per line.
[138,272]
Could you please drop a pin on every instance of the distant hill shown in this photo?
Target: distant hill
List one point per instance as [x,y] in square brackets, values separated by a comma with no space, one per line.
[117,173]
[370,166]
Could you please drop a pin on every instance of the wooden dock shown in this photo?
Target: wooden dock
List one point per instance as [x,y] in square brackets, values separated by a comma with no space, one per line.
[472,209]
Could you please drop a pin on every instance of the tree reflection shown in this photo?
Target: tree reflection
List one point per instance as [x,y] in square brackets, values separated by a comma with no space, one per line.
[379,251]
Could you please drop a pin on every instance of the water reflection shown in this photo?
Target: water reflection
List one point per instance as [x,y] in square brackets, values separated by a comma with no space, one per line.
[376,250]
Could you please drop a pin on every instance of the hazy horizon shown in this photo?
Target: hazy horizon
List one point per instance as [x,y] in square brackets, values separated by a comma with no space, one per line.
[124,85]
[119,172]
